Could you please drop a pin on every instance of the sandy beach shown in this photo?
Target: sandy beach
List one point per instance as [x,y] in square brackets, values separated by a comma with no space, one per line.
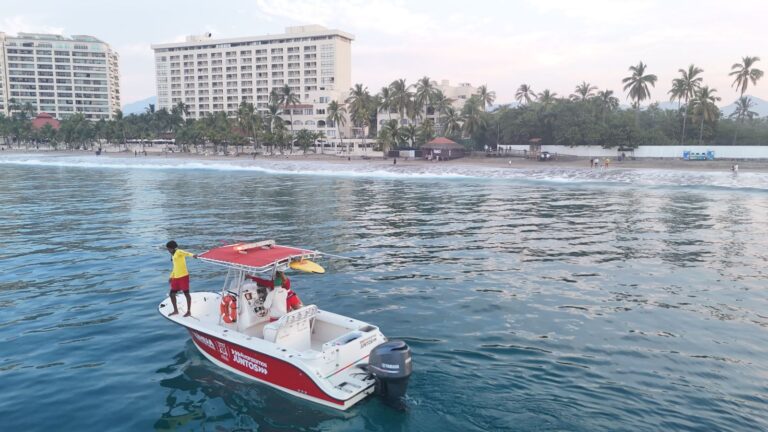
[465,162]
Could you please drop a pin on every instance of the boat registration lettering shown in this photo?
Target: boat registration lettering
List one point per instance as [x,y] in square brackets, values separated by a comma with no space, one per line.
[249,362]
[367,341]
[204,340]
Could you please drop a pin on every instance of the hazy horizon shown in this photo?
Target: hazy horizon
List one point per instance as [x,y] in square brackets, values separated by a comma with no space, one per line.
[549,45]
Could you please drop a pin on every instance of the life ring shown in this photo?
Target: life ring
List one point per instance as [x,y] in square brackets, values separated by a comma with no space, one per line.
[228,309]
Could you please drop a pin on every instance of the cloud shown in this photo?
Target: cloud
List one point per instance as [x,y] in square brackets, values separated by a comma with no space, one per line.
[134,50]
[391,18]
[20,23]
[597,11]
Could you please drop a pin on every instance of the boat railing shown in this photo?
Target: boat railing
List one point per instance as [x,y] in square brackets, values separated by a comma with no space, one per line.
[293,330]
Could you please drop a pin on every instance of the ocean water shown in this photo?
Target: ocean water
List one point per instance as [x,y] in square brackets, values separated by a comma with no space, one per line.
[533,300]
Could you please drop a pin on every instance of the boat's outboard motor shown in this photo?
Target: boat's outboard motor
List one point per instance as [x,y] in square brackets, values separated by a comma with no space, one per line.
[390,365]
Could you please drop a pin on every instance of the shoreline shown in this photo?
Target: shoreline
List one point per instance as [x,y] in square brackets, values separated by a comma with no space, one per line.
[465,162]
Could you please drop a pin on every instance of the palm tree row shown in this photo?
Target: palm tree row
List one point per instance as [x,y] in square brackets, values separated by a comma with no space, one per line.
[428,111]
[693,98]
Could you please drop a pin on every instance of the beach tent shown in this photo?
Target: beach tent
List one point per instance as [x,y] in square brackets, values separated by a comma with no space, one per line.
[43,119]
[443,147]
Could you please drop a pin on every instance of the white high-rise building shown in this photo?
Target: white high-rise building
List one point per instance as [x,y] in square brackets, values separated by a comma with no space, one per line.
[59,75]
[214,75]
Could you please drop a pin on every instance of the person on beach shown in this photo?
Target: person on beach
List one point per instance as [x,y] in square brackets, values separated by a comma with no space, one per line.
[179,278]
[280,298]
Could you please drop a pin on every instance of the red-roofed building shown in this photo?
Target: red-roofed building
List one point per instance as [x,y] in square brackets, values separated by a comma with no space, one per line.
[443,148]
[43,119]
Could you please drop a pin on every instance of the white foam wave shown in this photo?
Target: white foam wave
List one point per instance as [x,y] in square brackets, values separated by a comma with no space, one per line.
[267,167]
[563,176]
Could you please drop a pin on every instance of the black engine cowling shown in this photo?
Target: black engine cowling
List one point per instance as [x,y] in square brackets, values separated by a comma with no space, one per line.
[390,365]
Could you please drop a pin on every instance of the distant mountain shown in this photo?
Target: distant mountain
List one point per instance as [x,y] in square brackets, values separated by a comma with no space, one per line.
[761,107]
[139,107]
[667,105]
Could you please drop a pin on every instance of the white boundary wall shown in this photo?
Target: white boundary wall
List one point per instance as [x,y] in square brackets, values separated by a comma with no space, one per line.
[721,152]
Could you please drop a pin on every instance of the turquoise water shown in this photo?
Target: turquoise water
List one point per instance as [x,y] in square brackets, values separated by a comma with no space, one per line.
[533,300]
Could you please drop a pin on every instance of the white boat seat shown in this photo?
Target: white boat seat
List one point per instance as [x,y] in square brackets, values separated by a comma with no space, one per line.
[292,330]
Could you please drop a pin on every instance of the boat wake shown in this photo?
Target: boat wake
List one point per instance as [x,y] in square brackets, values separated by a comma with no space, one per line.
[757,182]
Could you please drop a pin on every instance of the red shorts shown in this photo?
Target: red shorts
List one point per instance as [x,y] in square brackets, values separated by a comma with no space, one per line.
[180,284]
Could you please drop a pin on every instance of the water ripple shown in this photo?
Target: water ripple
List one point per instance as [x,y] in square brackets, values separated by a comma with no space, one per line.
[545,299]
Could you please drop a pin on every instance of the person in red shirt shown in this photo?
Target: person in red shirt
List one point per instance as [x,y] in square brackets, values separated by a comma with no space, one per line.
[281,280]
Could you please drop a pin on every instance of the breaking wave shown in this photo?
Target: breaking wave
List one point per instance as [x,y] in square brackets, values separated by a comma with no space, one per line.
[662,178]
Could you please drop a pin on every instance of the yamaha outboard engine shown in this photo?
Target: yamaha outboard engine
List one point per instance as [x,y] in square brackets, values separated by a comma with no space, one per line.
[390,365]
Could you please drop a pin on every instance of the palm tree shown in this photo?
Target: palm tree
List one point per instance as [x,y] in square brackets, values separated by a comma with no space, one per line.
[273,115]
[472,113]
[425,90]
[389,135]
[336,115]
[246,114]
[525,94]
[386,102]
[583,91]
[120,126]
[637,84]
[440,103]
[426,132]
[359,101]
[452,122]
[547,98]
[486,97]
[684,89]
[704,105]
[744,73]
[14,107]
[607,102]
[181,108]
[408,134]
[289,98]
[29,109]
[742,111]
[676,93]
[401,97]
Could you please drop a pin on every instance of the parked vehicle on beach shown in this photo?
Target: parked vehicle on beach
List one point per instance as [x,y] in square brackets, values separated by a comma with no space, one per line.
[313,354]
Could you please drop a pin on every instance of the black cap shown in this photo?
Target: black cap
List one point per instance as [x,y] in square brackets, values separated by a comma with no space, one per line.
[172,245]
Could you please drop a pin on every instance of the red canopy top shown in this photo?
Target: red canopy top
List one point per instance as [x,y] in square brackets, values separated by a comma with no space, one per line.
[254,256]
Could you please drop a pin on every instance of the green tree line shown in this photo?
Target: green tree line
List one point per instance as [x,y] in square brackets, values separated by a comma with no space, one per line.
[409,115]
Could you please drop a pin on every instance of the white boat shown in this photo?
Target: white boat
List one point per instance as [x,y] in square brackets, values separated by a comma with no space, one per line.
[313,354]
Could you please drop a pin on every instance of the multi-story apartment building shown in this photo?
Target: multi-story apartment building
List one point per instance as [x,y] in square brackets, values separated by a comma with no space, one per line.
[59,75]
[213,75]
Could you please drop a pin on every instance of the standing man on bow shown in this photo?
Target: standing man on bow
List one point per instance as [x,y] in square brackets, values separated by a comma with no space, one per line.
[179,278]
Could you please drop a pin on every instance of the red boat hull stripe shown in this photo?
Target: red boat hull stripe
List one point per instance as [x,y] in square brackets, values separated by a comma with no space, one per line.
[260,366]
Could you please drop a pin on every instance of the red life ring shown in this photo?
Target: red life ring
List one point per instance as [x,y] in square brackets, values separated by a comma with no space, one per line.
[228,309]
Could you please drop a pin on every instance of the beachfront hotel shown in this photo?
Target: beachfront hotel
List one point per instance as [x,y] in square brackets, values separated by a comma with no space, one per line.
[214,75]
[59,75]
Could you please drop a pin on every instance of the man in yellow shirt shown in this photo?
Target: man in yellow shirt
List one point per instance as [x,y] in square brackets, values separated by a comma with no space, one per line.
[179,279]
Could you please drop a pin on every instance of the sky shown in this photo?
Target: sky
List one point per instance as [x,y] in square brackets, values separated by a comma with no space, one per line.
[547,44]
